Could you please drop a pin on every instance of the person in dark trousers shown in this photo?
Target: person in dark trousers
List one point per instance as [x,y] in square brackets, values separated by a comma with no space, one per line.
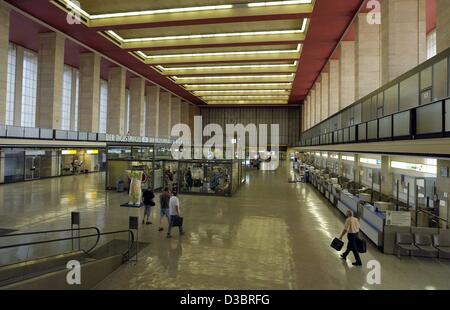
[147,198]
[164,199]
[351,228]
[189,180]
[174,211]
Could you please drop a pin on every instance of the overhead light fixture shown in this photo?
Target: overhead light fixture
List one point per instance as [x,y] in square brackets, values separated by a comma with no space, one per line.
[162,68]
[244,97]
[247,102]
[77,8]
[297,50]
[209,35]
[236,85]
[280,91]
[276,3]
[235,77]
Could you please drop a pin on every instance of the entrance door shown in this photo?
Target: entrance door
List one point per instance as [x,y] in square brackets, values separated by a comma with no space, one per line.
[32,167]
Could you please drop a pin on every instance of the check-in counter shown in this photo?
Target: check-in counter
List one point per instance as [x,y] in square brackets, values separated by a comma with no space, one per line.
[372,224]
[347,202]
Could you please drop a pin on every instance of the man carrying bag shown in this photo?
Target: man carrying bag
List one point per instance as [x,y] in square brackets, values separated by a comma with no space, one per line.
[351,228]
[175,214]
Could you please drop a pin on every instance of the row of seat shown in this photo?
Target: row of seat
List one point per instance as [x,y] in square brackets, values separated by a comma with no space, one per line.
[437,243]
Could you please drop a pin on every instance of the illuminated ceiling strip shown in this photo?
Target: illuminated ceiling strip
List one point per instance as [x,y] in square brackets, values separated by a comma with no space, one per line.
[234,77]
[162,68]
[237,85]
[183,10]
[281,91]
[247,102]
[297,50]
[244,97]
[210,35]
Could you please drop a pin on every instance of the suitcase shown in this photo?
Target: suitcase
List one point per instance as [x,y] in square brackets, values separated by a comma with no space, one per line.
[177,221]
[337,244]
[361,245]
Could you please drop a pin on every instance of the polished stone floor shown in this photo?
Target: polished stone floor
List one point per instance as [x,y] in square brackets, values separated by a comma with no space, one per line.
[270,235]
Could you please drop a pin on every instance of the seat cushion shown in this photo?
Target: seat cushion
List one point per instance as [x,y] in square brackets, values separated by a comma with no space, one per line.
[427,248]
[444,249]
[408,247]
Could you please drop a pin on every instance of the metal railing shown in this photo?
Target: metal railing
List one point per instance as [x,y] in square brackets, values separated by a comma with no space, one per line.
[422,122]
[97,235]
[17,132]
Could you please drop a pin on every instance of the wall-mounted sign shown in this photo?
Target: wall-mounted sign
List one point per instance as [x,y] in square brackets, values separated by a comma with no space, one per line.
[69,152]
[92,152]
[398,218]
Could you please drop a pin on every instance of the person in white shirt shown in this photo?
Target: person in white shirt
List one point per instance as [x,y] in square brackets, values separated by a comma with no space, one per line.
[174,212]
[351,228]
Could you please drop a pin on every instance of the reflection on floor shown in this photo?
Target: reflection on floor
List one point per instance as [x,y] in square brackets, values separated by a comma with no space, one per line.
[270,235]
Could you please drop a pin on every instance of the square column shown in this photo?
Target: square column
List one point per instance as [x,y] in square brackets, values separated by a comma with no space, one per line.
[347,74]
[442,25]
[89,92]
[313,107]
[184,112]
[4,42]
[333,87]
[403,35]
[386,176]
[152,117]
[308,113]
[324,95]
[50,80]
[193,111]
[318,103]
[137,102]
[165,111]
[367,56]
[176,112]
[116,101]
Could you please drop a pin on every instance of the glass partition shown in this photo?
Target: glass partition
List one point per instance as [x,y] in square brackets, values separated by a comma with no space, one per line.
[14,165]
[352,133]
[391,100]
[402,124]
[362,132]
[428,118]
[385,125]
[372,130]
[119,152]
[206,177]
[162,151]
[409,92]
[447,115]
[440,79]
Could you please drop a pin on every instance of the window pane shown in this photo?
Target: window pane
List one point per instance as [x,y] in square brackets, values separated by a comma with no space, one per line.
[427,113]
[103,106]
[426,80]
[440,80]
[11,86]
[391,100]
[431,44]
[66,98]
[29,88]
[409,93]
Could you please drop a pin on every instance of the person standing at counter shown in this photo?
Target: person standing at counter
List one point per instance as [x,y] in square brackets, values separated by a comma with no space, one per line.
[351,228]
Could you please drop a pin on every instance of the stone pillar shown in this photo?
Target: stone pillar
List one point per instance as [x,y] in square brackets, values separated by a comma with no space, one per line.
[308,114]
[152,117]
[18,87]
[367,56]
[333,88]
[89,92]
[324,95]
[442,25]
[55,165]
[313,107]
[165,111]
[386,176]
[2,167]
[184,112]
[73,98]
[176,112]
[193,111]
[137,102]
[318,103]
[403,35]
[4,42]
[116,101]
[50,80]
[347,74]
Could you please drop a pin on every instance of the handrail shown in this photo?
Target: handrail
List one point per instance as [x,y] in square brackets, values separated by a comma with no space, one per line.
[98,235]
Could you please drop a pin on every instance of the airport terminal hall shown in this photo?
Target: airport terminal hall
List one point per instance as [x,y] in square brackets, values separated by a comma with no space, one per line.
[224,145]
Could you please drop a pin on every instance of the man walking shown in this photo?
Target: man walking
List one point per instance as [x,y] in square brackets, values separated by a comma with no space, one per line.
[164,199]
[175,213]
[351,228]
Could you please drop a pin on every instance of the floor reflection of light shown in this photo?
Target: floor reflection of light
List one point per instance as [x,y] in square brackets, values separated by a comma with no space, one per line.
[430,288]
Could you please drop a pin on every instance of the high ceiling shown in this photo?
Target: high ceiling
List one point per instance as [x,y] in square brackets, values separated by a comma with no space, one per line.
[215,52]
